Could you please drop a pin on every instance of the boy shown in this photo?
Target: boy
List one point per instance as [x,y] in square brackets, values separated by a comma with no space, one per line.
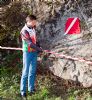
[30,50]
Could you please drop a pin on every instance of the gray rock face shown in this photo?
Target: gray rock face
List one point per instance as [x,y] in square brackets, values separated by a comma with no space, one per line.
[75,70]
[52,33]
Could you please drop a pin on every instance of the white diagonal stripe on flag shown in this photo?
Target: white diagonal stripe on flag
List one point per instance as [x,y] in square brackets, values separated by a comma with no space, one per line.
[71,25]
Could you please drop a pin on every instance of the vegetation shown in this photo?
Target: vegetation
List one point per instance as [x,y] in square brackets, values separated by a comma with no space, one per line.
[49,87]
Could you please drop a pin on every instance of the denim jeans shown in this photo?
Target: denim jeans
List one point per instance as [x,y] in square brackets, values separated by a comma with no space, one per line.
[28,71]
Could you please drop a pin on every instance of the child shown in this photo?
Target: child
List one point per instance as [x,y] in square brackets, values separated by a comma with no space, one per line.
[30,50]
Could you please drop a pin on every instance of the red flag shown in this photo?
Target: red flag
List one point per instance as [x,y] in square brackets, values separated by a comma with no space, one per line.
[72,26]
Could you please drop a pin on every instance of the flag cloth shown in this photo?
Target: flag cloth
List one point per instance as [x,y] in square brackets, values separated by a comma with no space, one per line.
[72,26]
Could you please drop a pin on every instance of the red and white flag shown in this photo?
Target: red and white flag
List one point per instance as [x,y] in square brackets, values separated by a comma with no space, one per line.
[72,26]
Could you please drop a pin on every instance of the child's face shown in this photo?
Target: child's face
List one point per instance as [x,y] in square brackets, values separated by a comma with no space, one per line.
[31,23]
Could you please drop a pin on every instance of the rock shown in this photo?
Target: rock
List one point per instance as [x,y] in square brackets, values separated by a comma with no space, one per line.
[65,68]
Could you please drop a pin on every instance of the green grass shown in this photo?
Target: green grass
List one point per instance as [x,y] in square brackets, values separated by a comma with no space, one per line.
[48,86]
[9,88]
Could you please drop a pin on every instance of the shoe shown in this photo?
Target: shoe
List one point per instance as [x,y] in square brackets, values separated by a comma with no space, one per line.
[24,96]
[32,92]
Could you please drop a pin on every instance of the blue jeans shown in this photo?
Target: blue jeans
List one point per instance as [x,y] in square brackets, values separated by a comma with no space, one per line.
[28,71]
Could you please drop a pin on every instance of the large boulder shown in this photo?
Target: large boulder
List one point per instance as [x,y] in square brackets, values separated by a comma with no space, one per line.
[80,46]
